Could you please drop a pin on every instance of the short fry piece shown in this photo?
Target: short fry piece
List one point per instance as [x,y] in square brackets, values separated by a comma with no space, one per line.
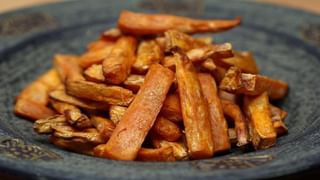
[117,65]
[75,145]
[171,108]
[51,79]
[219,127]
[160,154]
[244,61]
[94,73]
[179,148]
[116,113]
[31,110]
[134,82]
[36,92]
[131,131]
[103,125]
[61,107]
[76,119]
[252,84]
[263,132]
[95,56]
[67,67]
[166,129]
[45,125]
[195,112]
[149,52]
[99,92]
[146,24]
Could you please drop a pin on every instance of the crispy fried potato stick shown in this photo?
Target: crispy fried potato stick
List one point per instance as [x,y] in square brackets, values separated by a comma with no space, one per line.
[134,82]
[117,65]
[146,24]
[95,56]
[131,131]
[75,145]
[104,126]
[251,84]
[171,108]
[258,111]
[219,127]
[31,110]
[149,52]
[233,111]
[99,92]
[160,154]
[67,67]
[242,60]
[195,112]
[166,129]
[94,73]
[45,125]
[61,95]
[116,113]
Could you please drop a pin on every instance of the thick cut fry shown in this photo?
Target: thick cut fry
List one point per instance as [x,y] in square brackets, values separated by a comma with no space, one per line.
[134,82]
[61,107]
[76,119]
[146,24]
[149,52]
[117,65]
[116,113]
[131,131]
[67,67]
[94,73]
[195,112]
[233,111]
[31,110]
[95,56]
[75,145]
[160,154]
[61,95]
[171,108]
[242,60]
[104,126]
[251,84]
[99,92]
[166,129]
[45,125]
[263,132]
[219,127]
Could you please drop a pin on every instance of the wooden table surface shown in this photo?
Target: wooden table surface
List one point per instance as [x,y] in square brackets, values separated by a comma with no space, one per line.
[308,5]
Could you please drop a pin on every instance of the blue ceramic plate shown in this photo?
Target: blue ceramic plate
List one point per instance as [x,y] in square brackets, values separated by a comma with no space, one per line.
[285,43]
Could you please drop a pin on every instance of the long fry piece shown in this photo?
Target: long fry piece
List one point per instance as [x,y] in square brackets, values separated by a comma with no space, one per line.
[127,138]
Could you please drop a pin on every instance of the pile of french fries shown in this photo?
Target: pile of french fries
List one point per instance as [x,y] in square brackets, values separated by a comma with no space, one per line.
[149,91]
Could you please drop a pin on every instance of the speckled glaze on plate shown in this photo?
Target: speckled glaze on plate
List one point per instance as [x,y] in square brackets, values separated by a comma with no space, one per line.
[285,43]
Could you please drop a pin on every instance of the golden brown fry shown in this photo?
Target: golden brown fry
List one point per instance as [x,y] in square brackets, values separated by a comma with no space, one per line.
[51,79]
[171,108]
[179,148]
[31,110]
[35,92]
[76,119]
[67,67]
[45,125]
[145,24]
[263,132]
[242,60]
[219,127]
[215,52]
[111,34]
[169,62]
[99,92]
[75,145]
[134,82]
[61,107]
[149,52]
[195,112]
[166,129]
[116,113]
[94,73]
[95,56]
[251,84]
[117,65]
[61,95]
[103,125]
[131,131]
[98,45]
[233,111]
[160,154]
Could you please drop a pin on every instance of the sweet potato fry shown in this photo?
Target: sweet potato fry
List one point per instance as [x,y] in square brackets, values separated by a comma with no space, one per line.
[242,60]
[75,145]
[99,92]
[160,154]
[116,113]
[76,119]
[147,24]
[95,56]
[131,131]
[258,111]
[233,111]
[219,127]
[94,73]
[45,125]
[171,108]
[166,129]
[149,52]
[195,112]
[134,82]
[61,95]
[67,67]
[31,110]
[117,65]
[104,126]
[252,84]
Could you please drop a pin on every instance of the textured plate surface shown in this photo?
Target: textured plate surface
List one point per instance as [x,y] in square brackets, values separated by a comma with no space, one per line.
[281,40]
